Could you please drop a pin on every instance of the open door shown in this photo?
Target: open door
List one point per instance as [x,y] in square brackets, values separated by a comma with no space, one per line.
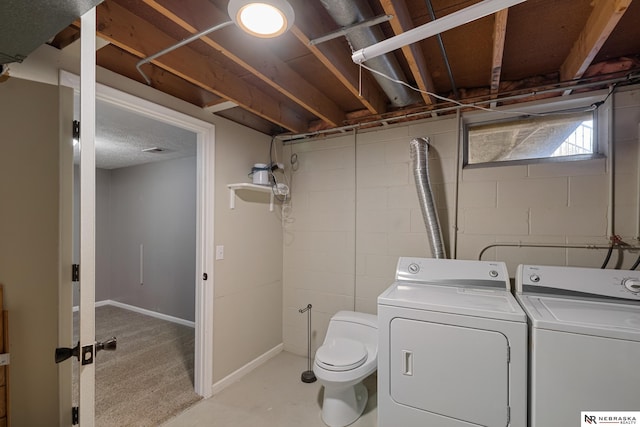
[86,349]
[87,220]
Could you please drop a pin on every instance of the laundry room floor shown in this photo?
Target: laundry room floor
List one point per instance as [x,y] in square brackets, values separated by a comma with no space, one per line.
[270,396]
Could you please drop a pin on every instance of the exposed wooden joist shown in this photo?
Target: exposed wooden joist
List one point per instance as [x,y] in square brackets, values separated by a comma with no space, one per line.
[140,38]
[600,24]
[413,53]
[119,61]
[337,60]
[198,15]
[499,34]
[342,67]
[67,36]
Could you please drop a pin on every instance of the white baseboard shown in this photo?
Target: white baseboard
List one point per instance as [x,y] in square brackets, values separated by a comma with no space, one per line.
[244,370]
[143,311]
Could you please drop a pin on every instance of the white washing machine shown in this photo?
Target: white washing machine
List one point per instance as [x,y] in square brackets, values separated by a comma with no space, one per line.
[585,341]
[452,347]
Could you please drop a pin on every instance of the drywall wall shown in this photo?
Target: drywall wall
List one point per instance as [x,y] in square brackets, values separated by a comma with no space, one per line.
[104,264]
[355,211]
[153,205]
[29,245]
[248,281]
[104,235]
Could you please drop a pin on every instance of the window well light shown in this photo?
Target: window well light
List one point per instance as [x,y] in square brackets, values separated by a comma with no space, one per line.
[267,18]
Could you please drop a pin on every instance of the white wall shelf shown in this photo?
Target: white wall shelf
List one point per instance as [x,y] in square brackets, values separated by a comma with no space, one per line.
[250,187]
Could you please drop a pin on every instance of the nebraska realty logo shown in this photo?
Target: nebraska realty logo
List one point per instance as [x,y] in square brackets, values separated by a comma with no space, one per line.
[608,418]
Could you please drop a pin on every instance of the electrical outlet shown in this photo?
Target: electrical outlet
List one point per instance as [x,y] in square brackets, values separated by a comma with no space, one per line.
[219,252]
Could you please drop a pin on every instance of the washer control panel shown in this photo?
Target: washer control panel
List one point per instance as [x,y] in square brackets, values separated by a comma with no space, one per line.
[588,281]
[449,271]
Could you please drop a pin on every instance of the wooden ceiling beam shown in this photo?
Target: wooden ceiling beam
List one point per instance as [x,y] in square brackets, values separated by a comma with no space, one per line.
[121,62]
[65,37]
[339,63]
[603,19]
[140,38]
[198,15]
[499,35]
[413,53]
[343,68]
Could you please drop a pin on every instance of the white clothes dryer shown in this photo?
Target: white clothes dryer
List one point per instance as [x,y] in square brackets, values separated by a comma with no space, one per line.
[585,341]
[452,347]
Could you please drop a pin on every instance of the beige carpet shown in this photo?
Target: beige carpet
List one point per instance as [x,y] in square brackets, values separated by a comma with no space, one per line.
[149,378]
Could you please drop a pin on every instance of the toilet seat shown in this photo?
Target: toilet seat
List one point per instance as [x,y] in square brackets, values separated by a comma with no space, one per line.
[341,354]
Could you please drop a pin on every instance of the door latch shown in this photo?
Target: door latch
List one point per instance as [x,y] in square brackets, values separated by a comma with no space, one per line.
[75,416]
[64,353]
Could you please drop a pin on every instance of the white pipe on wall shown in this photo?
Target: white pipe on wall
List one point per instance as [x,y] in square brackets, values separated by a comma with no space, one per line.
[610,167]
[456,207]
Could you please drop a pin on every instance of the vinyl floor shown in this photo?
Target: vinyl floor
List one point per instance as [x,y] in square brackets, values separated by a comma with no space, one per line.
[270,396]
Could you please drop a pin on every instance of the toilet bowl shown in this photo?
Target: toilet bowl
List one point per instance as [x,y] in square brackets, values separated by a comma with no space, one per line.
[348,355]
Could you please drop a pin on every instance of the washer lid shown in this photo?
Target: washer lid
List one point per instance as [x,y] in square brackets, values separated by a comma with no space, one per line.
[588,317]
[341,354]
[492,303]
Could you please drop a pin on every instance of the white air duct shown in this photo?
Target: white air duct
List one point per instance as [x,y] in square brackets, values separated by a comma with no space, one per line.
[348,12]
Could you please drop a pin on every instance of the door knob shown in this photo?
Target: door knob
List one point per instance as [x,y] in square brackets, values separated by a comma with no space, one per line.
[108,345]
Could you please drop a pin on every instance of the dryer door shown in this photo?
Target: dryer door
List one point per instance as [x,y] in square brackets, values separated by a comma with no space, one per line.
[453,371]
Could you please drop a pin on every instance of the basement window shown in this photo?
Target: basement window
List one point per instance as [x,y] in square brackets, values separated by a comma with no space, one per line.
[535,138]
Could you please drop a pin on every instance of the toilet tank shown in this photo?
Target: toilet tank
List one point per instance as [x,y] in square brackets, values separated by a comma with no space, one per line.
[361,327]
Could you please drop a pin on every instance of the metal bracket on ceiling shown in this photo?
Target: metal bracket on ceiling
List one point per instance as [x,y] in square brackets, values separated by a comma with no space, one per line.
[346,30]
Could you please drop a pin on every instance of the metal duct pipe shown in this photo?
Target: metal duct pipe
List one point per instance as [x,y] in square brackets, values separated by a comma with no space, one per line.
[350,12]
[419,150]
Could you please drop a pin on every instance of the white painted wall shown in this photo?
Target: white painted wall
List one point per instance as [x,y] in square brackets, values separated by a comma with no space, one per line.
[103,233]
[248,292]
[154,205]
[355,211]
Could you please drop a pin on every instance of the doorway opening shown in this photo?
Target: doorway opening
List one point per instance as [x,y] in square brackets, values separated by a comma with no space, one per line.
[190,305]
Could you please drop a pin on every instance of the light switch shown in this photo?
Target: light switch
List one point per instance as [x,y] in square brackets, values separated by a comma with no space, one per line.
[219,252]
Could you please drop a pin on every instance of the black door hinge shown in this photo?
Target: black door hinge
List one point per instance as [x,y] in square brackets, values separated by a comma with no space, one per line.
[75,272]
[75,416]
[76,130]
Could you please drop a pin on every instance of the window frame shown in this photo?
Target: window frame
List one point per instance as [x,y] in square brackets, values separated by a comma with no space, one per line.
[600,124]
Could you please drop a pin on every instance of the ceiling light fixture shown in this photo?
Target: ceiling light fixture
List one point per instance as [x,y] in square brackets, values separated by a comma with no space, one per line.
[430,29]
[264,19]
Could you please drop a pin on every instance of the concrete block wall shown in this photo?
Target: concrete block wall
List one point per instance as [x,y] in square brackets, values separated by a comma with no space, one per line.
[389,221]
[319,238]
[355,211]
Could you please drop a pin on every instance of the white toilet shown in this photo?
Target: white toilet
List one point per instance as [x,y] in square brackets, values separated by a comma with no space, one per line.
[348,355]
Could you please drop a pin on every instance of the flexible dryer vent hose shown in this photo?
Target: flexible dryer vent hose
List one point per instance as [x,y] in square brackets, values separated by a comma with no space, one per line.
[419,150]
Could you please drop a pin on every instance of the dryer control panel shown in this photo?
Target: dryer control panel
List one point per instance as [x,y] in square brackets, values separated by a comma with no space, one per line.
[623,284]
[454,272]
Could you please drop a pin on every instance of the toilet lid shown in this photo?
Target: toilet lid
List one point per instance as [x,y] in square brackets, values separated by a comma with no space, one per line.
[341,354]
